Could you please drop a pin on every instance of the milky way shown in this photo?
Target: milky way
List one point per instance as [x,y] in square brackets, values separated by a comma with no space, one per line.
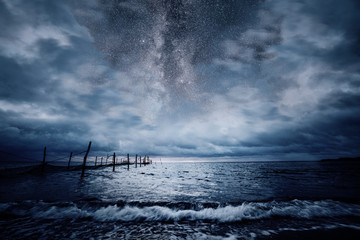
[268,79]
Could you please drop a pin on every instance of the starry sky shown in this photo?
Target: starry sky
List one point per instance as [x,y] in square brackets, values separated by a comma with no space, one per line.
[242,78]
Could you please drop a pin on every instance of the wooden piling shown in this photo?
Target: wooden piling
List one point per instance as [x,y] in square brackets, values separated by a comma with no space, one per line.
[128,160]
[69,160]
[114,162]
[43,162]
[101,161]
[140,161]
[95,161]
[84,162]
[136,161]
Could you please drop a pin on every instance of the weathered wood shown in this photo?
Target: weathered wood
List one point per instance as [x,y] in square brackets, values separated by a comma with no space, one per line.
[84,162]
[43,162]
[114,162]
[95,161]
[140,161]
[136,161]
[128,161]
[69,160]
[101,161]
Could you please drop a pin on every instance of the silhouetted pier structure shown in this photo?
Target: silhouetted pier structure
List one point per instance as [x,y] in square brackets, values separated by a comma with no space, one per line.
[70,166]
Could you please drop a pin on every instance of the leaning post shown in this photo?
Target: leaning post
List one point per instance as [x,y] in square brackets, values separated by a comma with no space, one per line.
[84,162]
[95,161]
[128,158]
[136,161]
[140,161]
[114,162]
[69,160]
[43,162]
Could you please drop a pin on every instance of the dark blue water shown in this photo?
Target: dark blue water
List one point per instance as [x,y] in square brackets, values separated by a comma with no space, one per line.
[202,200]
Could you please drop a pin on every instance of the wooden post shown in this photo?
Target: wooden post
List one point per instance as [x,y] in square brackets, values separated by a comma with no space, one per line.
[136,161]
[140,161]
[43,162]
[84,162]
[101,161]
[114,162]
[128,157]
[69,160]
[95,161]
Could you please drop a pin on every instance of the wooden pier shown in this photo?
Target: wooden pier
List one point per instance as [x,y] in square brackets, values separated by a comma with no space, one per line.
[47,160]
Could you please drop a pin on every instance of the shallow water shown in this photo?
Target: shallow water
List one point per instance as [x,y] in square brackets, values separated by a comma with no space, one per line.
[207,200]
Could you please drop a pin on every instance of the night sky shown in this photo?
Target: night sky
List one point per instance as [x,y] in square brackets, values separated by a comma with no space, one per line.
[257,79]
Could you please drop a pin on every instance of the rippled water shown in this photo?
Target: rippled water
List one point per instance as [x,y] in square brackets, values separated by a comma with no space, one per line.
[196,200]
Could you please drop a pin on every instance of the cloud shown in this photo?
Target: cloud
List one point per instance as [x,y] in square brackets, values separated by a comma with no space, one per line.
[184,78]
[252,44]
[52,86]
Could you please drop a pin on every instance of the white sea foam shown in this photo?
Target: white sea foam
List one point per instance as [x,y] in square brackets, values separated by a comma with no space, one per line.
[203,236]
[299,209]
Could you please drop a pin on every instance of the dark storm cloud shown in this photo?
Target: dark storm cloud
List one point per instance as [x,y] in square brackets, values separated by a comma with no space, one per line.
[209,78]
[253,43]
[307,80]
[340,19]
[48,70]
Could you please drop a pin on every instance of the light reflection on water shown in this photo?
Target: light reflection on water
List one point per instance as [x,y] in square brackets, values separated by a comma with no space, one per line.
[187,200]
[193,182]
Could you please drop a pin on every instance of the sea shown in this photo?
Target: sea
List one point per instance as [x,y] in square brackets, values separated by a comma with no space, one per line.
[184,200]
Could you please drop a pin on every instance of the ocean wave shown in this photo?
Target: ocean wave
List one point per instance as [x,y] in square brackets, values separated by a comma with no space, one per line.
[299,209]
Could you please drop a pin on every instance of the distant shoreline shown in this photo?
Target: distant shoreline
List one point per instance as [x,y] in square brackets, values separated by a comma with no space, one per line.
[341,159]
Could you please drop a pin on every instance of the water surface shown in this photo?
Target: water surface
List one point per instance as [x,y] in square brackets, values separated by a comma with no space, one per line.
[188,200]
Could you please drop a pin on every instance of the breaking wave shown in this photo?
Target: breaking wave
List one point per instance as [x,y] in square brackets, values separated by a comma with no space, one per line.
[298,209]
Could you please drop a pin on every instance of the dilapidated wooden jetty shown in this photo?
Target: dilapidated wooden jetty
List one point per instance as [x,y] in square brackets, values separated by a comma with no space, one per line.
[47,165]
